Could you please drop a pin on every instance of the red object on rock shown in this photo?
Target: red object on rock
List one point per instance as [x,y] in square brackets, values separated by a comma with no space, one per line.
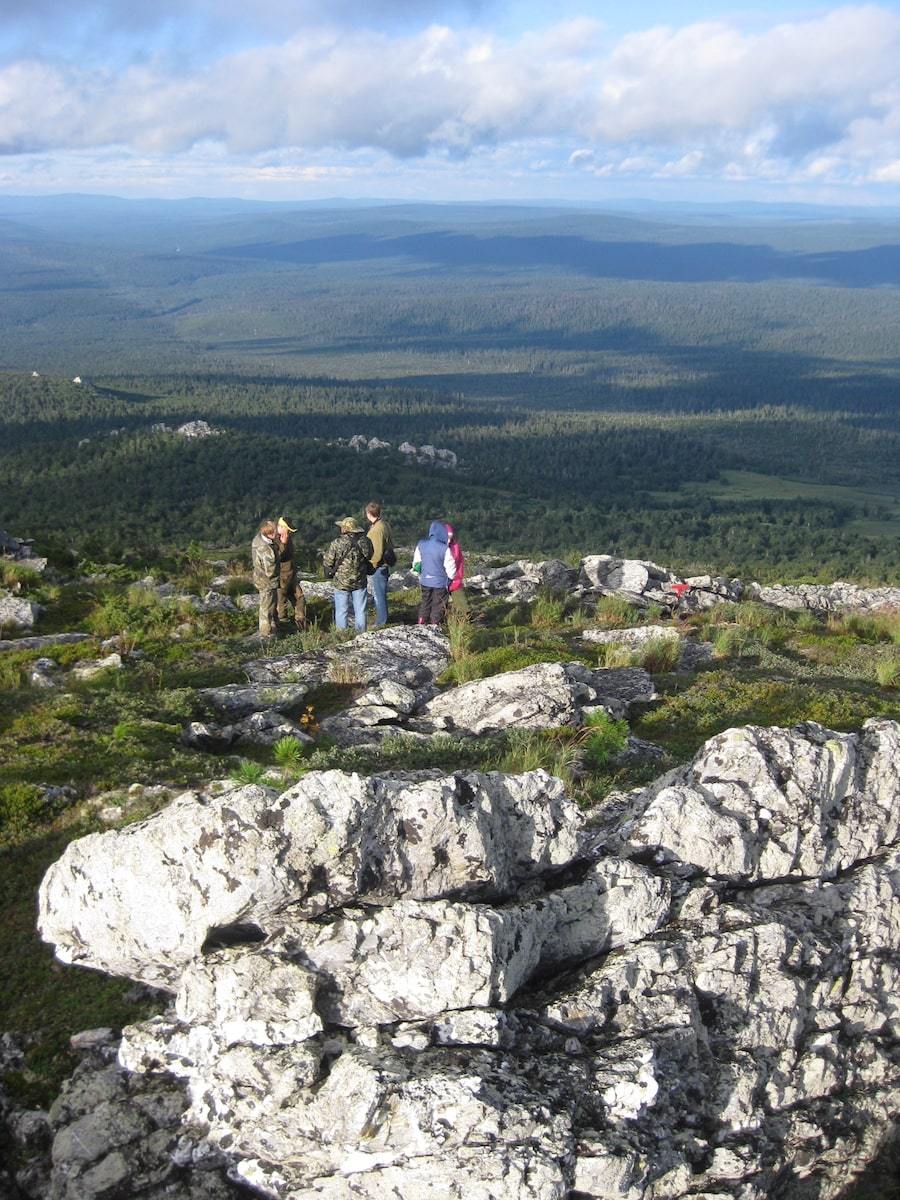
[680,589]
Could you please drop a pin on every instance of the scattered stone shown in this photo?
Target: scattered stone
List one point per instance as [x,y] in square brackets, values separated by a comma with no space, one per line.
[202,735]
[637,637]
[41,642]
[268,727]
[17,613]
[88,670]
[218,602]
[541,696]
[392,694]
[236,700]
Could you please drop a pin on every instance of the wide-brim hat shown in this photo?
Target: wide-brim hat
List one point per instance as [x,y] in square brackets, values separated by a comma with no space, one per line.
[349,525]
[282,524]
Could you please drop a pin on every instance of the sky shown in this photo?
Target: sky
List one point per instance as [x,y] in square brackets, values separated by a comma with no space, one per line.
[579,100]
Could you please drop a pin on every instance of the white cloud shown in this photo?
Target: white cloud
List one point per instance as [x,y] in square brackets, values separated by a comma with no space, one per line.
[814,99]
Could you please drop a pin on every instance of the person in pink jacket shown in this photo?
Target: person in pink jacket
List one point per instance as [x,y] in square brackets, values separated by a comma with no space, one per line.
[457,594]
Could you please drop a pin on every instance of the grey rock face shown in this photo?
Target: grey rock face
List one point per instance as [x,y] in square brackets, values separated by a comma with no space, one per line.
[236,700]
[121,1134]
[142,901]
[637,637]
[469,997]
[41,642]
[17,613]
[538,697]
[824,598]
[760,804]
[409,655]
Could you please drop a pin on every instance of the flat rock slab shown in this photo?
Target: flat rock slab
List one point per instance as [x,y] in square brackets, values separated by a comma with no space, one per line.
[42,641]
[637,636]
[541,696]
[409,655]
[236,700]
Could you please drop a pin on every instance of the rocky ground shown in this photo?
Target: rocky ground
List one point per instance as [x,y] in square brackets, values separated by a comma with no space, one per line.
[504,953]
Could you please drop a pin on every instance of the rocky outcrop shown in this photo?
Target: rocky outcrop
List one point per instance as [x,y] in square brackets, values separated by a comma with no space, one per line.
[538,697]
[643,583]
[450,987]
[825,598]
[522,580]
[427,455]
[408,654]
[43,641]
[145,900]
[17,613]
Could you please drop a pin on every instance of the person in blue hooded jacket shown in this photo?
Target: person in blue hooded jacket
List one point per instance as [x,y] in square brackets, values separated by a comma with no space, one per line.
[435,565]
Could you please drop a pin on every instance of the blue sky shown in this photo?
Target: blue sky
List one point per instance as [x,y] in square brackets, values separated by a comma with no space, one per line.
[467,99]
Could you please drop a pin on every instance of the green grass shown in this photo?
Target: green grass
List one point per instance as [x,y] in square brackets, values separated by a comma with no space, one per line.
[718,700]
[42,999]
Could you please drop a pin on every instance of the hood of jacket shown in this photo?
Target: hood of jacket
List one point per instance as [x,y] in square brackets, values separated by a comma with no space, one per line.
[437,531]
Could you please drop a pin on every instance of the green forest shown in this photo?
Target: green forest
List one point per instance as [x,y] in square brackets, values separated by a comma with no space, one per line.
[636,384]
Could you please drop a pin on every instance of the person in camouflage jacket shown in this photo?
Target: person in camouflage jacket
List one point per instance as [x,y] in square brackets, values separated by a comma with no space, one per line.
[289,590]
[264,557]
[346,562]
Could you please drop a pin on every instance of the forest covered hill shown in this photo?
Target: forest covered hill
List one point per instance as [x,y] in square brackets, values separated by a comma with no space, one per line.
[708,387]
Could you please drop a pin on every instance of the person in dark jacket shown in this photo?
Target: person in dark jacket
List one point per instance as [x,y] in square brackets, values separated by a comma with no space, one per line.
[289,590]
[435,565]
[346,561]
[264,557]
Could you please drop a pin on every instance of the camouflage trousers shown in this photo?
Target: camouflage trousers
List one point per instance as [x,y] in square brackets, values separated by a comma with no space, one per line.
[290,592]
[268,618]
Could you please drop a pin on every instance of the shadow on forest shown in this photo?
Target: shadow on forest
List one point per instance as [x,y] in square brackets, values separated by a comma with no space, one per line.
[702,262]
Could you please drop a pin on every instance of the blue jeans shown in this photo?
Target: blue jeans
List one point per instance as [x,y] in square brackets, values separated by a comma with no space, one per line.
[342,608]
[379,579]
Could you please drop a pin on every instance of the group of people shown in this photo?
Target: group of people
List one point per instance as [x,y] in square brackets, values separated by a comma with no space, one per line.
[356,557]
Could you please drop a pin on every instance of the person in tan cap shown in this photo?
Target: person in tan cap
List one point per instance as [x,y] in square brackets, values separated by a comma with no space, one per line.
[264,557]
[347,561]
[289,590]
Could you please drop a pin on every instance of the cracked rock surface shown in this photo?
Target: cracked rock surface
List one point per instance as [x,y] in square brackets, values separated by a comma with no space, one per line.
[436,987]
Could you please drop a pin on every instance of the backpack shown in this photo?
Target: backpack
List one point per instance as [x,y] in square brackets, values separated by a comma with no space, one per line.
[389,558]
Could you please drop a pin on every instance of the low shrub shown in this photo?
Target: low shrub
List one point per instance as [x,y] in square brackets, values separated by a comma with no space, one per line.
[603,738]
[613,612]
[247,771]
[614,654]
[17,573]
[887,670]
[557,751]
[718,700]
[548,610]
[659,656]
[21,807]
[734,641]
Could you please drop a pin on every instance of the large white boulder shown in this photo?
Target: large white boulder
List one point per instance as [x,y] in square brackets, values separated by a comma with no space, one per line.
[144,900]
